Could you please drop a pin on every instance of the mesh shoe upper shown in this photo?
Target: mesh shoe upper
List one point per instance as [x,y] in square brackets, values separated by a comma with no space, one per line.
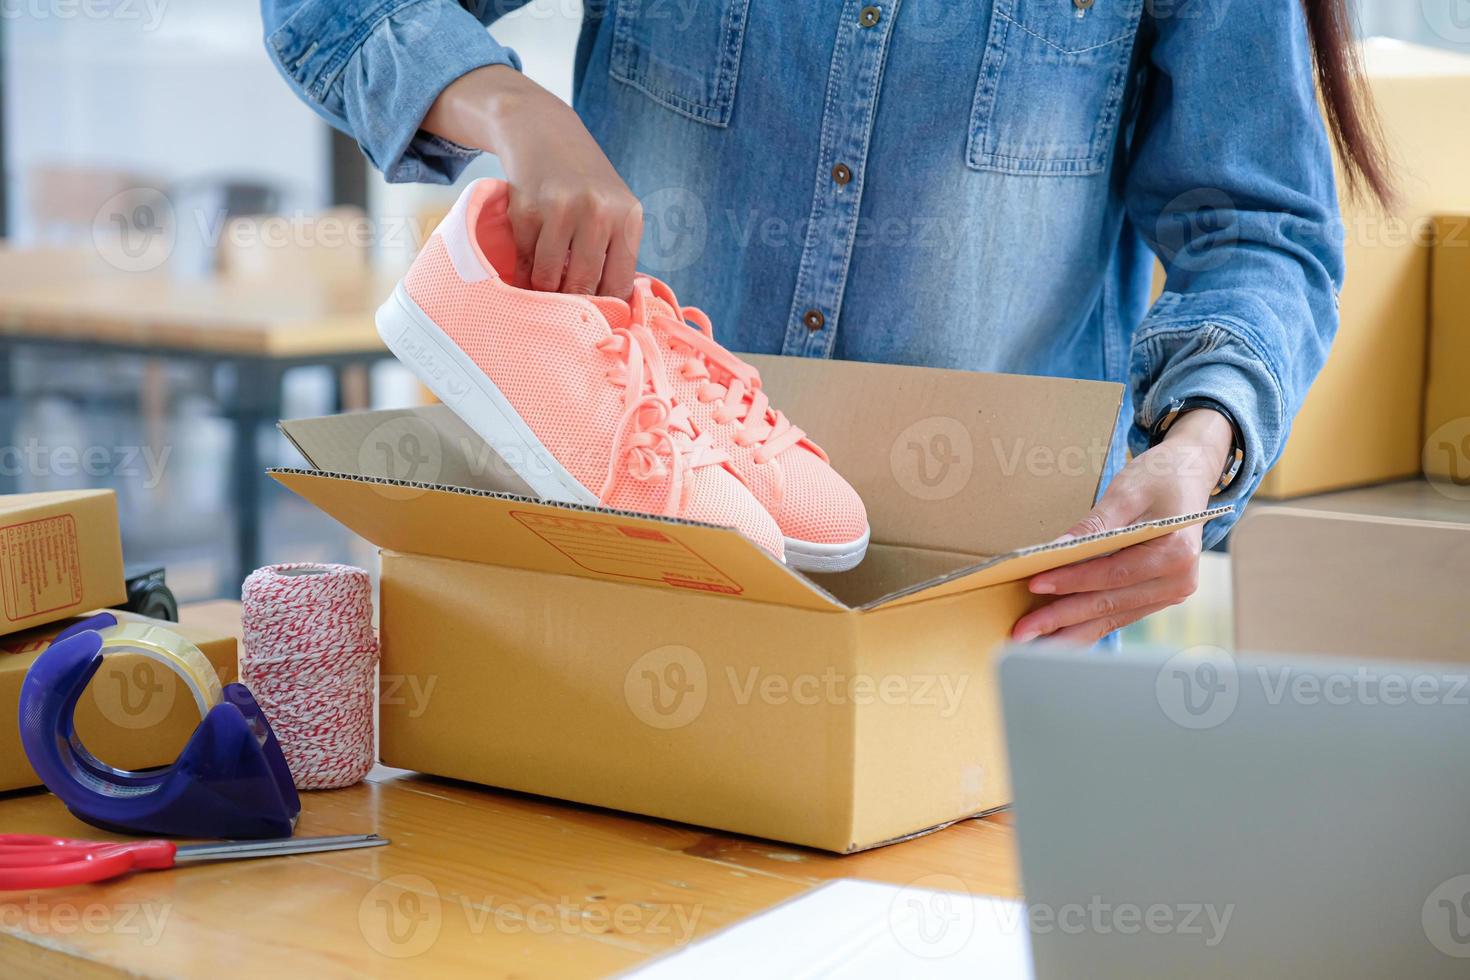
[808,498]
[567,372]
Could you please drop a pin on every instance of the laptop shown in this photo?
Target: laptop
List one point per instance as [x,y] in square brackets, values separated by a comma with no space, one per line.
[1192,814]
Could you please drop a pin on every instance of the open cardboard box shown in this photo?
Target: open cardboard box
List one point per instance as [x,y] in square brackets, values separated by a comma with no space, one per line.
[675,669]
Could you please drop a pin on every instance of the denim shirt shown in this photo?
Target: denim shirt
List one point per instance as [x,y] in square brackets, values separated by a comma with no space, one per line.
[979,185]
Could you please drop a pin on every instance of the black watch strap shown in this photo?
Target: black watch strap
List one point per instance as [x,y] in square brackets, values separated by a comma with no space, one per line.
[1237,442]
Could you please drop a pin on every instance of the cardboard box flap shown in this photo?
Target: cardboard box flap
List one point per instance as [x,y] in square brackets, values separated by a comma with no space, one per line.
[1024,562]
[565,539]
[426,444]
[953,460]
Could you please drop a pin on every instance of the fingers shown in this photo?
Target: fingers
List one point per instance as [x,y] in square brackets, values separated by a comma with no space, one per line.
[1103,594]
[1086,634]
[1121,505]
[1172,554]
[550,261]
[580,242]
[525,229]
[1114,606]
[589,250]
[568,205]
[622,255]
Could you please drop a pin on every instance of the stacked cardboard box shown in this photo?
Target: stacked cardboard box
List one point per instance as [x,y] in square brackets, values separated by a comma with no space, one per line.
[60,553]
[1363,420]
[1447,390]
[1377,573]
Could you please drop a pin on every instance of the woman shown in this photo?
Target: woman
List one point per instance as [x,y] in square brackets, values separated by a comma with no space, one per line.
[980,186]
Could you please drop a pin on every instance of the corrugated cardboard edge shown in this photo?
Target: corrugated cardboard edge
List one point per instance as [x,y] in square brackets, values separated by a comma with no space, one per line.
[1183,520]
[836,604]
[827,597]
[497,495]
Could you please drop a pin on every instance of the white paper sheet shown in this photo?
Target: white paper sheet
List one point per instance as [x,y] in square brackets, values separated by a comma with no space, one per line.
[866,929]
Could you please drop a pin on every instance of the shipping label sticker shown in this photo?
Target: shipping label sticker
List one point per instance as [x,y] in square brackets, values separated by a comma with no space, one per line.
[627,551]
[40,567]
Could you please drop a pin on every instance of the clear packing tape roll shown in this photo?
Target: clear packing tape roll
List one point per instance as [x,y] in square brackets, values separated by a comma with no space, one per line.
[169,650]
[230,778]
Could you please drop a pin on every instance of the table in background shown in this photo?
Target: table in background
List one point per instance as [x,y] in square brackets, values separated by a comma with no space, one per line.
[477,882]
[72,301]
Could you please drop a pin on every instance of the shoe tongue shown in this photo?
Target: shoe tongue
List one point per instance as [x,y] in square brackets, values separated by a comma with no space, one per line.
[618,314]
[614,310]
[657,307]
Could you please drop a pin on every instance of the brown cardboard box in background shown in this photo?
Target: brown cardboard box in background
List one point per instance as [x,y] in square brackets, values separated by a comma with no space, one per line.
[60,553]
[1447,391]
[133,715]
[1379,573]
[1362,420]
[676,670]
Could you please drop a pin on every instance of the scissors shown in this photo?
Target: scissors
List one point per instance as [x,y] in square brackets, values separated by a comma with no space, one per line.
[28,862]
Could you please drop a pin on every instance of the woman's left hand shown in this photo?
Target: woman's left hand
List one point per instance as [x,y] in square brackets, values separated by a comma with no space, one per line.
[1100,595]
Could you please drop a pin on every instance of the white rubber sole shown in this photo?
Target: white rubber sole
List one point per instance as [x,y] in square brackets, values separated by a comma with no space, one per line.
[809,556]
[459,383]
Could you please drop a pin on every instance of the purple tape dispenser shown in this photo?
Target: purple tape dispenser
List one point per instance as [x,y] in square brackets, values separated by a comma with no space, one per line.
[230,781]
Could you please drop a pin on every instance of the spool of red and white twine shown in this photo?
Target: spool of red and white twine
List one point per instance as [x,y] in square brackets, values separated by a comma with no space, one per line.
[310,657]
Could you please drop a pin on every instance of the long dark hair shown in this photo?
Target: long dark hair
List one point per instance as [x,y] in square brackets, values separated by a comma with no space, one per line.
[1346,101]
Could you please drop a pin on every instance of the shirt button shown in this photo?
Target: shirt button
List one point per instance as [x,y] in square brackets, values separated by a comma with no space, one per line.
[869,16]
[1082,4]
[814,320]
[841,173]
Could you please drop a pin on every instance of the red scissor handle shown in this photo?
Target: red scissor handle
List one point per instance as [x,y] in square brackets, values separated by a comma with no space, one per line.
[28,862]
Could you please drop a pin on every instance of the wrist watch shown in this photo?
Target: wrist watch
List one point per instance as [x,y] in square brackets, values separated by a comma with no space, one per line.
[1237,443]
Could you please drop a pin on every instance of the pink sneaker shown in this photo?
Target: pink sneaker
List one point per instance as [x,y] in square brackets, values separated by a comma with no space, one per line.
[580,408]
[820,515]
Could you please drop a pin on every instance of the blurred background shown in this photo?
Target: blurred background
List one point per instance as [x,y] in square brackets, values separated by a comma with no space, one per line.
[147,137]
[154,138]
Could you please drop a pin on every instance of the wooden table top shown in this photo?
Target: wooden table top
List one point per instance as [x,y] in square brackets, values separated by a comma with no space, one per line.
[476,882]
[74,296]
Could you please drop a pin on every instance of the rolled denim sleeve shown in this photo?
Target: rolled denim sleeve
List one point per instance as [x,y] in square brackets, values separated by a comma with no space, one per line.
[373,69]
[1231,184]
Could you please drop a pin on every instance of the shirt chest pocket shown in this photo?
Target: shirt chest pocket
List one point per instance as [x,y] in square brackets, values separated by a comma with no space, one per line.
[685,56]
[1051,85]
